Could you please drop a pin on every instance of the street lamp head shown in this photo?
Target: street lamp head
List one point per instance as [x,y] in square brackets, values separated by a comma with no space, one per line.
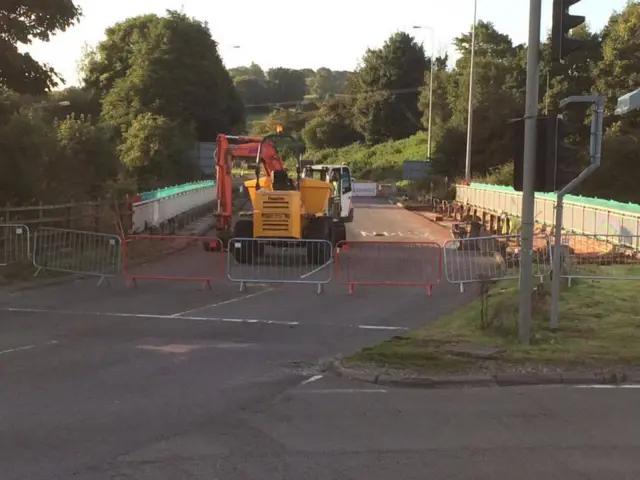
[628,103]
[64,103]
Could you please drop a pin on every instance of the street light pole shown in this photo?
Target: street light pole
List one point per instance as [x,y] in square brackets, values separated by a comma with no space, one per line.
[467,168]
[433,51]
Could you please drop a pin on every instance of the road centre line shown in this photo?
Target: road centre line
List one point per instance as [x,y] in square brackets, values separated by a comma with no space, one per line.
[340,390]
[150,316]
[226,302]
[18,349]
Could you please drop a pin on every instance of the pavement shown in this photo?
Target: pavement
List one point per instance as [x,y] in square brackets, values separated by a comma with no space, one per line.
[168,380]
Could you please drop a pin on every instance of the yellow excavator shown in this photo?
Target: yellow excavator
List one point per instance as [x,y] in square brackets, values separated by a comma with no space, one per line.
[284,208]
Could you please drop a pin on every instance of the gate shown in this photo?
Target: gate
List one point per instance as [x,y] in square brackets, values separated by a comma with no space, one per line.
[409,264]
[255,260]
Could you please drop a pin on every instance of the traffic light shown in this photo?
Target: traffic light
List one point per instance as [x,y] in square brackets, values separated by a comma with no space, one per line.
[543,151]
[563,22]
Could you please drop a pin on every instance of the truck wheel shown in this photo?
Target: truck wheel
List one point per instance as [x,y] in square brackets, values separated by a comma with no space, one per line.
[319,252]
[339,233]
[244,251]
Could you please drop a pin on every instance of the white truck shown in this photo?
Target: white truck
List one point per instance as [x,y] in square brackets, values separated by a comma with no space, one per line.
[341,199]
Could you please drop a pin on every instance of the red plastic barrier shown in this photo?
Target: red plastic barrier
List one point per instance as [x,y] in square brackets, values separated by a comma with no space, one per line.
[171,257]
[415,264]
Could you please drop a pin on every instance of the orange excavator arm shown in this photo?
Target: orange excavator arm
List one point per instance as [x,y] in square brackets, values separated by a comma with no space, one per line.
[229,147]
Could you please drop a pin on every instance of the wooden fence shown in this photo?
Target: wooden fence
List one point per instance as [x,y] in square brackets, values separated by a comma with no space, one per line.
[102,216]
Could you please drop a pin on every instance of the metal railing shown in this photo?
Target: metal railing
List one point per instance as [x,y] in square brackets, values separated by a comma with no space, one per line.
[473,260]
[156,211]
[74,251]
[577,217]
[600,257]
[416,264]
[15,244]
[255,260]
[172,257]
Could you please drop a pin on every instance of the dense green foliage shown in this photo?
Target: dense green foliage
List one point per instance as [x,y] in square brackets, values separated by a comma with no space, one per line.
[157,84]
[21,23]
[153,88]
[608,64]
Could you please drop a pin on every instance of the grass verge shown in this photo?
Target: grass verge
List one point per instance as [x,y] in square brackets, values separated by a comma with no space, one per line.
[599,326]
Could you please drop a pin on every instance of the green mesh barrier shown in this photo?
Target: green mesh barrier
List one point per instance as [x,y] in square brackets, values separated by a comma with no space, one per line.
[575,199]
[176,189]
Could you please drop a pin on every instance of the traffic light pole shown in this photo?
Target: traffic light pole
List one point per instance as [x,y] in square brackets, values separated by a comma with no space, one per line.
[528,170]
[595,154]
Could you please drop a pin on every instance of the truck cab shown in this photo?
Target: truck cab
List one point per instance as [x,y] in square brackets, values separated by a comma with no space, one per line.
[340,205]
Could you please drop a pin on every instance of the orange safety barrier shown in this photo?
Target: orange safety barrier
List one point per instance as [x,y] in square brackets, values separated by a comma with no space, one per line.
[172,257]
[417,264]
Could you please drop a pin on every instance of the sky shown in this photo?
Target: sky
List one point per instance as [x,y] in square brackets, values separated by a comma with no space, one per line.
[332,33]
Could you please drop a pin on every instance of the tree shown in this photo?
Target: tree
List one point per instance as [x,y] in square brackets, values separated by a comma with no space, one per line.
[168,66]
[332,127]
[89,151]
[252,91]
[23,21]
[573,77]
[499,86]
[26,144]
[619,70]
[157,151]
[286,85]
[322,83]
[252,71]
[388,85]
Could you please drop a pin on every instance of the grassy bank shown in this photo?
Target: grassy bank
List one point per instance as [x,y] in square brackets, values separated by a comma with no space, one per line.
[378,162]
[598,326]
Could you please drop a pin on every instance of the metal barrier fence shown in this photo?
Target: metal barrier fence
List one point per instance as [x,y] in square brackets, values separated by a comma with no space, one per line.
[577,217]
[253,260]
[416,264]
[601,257]
[141,255]
[74,251]
[15,244]
[472,260]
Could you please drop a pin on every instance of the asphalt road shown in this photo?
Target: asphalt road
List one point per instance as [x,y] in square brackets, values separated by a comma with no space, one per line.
[169,381]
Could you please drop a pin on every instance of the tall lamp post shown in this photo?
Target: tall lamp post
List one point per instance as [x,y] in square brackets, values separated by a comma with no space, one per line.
[426,27]
[467,169]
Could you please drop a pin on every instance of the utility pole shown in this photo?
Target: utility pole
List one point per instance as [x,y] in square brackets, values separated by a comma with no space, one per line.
[528,181]
[467,168]
[433,54]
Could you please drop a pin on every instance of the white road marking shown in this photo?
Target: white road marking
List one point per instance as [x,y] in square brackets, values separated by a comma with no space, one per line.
[312,379]
[226,302]
[316,270]
[409,233]
[18,349]
[151,316]
[632,385]
[346,390]
[381,327]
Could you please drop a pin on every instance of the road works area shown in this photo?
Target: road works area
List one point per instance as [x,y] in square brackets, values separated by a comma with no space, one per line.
[168,380]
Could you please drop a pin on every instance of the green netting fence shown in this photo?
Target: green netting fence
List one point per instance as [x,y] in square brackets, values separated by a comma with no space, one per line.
[175,189]
[576,199]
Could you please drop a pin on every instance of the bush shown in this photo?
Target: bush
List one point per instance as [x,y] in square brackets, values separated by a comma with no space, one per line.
[380,162]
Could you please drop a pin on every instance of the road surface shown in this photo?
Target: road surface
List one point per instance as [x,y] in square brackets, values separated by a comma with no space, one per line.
[168,381]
